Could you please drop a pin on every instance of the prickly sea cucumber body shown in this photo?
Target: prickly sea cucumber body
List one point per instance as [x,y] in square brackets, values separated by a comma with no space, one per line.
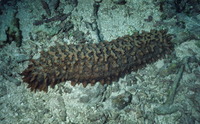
[90,63]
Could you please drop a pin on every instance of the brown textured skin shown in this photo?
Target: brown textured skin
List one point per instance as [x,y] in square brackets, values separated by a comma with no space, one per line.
[89,63]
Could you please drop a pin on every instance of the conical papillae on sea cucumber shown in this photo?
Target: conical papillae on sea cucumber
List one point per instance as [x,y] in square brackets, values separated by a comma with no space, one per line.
[104,62]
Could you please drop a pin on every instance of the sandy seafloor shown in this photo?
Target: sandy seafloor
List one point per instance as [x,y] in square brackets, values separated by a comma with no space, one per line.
[164,92]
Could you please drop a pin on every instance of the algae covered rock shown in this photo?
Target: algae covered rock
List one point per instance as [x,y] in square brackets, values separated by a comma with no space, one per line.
[13,32]
[122,100]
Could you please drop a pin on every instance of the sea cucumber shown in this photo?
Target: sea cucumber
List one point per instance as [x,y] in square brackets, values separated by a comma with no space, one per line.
[104,62]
